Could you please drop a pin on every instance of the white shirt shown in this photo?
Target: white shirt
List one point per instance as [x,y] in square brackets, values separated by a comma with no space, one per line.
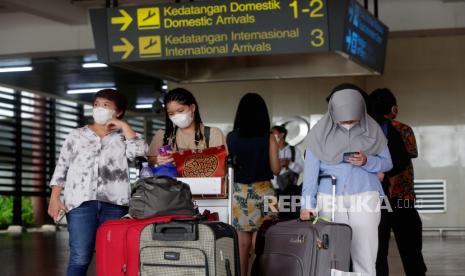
[90,168]
[297,166]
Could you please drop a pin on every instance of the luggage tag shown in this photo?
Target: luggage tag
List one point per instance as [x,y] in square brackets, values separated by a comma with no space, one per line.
[315,220]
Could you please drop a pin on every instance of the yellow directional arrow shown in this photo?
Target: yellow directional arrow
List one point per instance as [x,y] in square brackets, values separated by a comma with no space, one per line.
[126,48]
[125,19]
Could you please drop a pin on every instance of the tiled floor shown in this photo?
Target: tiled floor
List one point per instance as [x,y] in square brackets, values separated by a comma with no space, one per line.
[37,254]
[443,257]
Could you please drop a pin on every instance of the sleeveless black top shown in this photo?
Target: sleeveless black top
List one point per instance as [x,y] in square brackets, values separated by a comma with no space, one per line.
[252,156]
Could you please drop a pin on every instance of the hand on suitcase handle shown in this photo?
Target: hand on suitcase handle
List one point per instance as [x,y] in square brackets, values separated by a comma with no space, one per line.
[308,214]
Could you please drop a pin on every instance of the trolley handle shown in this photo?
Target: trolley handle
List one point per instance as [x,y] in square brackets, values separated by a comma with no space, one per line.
[232,165]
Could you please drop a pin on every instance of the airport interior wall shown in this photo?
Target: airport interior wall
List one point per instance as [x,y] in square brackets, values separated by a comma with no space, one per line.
[427,74]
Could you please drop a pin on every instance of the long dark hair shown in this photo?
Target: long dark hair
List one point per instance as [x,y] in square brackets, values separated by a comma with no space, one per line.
[252,118]
[183,97]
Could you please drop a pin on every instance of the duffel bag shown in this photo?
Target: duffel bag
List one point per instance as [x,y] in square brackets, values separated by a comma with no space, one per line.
[160,196]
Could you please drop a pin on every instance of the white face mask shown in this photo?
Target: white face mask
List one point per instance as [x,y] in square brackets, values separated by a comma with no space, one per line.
[102,115]
[182,120]
[348,126]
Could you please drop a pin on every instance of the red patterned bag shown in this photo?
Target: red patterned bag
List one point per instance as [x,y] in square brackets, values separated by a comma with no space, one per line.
[210,162]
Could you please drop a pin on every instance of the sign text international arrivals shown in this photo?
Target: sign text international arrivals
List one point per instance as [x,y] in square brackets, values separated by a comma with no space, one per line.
[217,28]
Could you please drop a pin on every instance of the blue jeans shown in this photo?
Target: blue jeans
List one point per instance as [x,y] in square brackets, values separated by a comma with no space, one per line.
[83,222]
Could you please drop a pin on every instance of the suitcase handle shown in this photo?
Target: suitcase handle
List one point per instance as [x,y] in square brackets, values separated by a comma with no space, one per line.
[196,218]
[175,231]
[227,265]
[324,176]
[333,184]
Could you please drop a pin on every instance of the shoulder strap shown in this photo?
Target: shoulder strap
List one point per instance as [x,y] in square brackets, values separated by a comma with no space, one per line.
[292,153]
[206,133]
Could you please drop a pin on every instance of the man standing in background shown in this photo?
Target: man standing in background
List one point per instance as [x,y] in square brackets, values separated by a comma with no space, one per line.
[292,165]
[399,187]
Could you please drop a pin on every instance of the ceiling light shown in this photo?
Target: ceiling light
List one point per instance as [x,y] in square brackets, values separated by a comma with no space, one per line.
[164,87]
[6,89]
[87,90]
[94,65]
[15,62]
[15,69]
[143,106]
[90,58]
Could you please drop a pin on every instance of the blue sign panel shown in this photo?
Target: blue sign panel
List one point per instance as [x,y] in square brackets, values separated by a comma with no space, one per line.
[365,37]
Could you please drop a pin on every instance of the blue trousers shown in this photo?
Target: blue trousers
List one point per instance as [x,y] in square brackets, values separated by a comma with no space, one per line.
[83,222]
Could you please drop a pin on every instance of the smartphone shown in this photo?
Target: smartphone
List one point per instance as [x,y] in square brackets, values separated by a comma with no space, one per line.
[347,155]
[164,150]
[60,216]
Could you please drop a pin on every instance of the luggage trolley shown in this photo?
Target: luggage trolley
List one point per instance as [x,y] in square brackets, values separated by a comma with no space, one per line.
[214,193]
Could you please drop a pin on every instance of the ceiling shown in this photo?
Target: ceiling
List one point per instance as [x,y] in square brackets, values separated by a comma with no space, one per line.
[57,75]
[72,12]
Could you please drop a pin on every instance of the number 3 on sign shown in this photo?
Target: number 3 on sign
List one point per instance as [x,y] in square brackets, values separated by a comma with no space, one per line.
[318,38]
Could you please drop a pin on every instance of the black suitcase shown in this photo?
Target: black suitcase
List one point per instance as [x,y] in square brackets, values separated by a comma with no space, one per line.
[303,248]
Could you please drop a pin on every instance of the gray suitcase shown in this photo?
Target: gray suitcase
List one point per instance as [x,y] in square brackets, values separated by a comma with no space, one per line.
[187,247]
[305,248]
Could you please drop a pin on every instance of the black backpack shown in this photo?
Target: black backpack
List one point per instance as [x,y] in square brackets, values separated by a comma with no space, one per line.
[288,178]
[292,189]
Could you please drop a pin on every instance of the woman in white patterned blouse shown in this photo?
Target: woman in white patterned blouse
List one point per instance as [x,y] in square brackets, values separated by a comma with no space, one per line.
[92,170]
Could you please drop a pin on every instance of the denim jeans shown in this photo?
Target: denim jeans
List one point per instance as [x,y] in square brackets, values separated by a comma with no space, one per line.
[83,222]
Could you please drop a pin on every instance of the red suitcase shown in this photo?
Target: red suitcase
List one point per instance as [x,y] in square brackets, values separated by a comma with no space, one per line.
[117,245]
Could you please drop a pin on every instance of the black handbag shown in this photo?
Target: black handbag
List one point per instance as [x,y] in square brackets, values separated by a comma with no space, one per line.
[160,196]
[287,179]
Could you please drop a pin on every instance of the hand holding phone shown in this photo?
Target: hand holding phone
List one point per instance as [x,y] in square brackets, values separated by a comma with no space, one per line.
[60,216]
[164,155]
[347,155]
[165,150]
[358,159]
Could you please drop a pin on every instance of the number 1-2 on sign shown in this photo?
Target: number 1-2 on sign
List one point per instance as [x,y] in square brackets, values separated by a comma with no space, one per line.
[314,9]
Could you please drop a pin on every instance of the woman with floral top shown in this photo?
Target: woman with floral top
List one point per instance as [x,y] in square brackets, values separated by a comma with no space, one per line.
[92,171]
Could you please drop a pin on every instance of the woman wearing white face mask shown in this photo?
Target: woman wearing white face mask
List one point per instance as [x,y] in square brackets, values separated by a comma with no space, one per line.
[347,130]
[183,128]
[93,172]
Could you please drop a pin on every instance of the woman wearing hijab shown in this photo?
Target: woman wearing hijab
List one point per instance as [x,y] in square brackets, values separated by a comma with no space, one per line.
[347,128]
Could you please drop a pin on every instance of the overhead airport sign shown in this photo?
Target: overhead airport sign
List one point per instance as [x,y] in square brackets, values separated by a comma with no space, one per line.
[226,28]
[216,28]
[365,37]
